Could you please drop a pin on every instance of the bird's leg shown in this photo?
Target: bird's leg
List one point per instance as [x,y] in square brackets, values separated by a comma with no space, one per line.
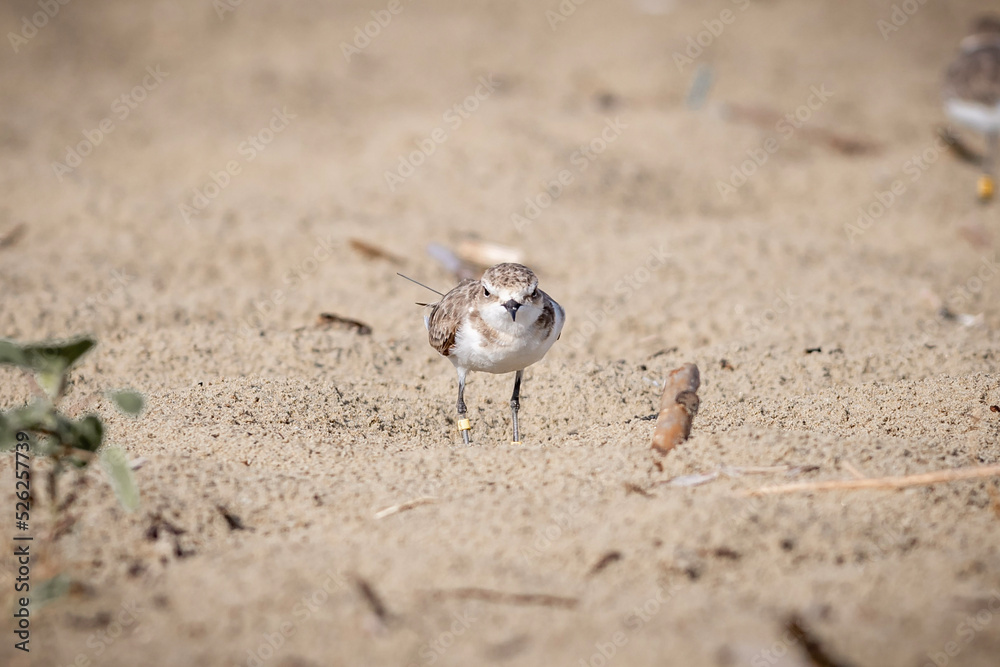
[464,425]
[992,151]
[986,182]
[515,404]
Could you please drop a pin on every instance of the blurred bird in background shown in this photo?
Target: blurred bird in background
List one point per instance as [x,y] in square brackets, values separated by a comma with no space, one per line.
[972,94]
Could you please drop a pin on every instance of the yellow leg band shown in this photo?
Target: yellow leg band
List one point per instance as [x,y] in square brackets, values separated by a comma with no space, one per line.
[985,187]
[464,425]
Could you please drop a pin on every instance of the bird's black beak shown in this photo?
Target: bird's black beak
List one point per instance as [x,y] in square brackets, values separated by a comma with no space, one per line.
[512,307]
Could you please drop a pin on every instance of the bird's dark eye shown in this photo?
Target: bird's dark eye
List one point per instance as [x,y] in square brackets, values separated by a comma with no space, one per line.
[486,292]
[534,294]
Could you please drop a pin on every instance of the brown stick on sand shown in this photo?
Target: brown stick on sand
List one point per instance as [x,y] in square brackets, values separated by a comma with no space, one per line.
[921,479]
[678,406]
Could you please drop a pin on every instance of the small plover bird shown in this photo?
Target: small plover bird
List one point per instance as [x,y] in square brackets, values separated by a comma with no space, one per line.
[972,92]
[501,323]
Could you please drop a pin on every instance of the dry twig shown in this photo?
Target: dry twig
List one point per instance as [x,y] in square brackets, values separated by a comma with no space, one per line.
[678,407]
[854,471]
[375,604]
[814,649]
[402,507]
[501,597]
[606,559]
[921,479]
[371,251]
[334,320]
[767,118]
[13,235]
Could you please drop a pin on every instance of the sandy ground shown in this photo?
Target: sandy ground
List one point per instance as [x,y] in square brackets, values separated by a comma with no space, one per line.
[304,433]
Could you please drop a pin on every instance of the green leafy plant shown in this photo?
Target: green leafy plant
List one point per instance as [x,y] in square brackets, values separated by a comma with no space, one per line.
[68,443]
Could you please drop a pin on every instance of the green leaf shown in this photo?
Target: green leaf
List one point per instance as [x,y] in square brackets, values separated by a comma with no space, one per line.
[11,353]
[120,473]
[8,436]
[49,360]
[10,426]
[39,417]
[128,401]
[88,432]
[49,590]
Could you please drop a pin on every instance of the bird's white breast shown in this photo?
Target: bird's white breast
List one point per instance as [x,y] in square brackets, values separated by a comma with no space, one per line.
[506,345]
[974,115]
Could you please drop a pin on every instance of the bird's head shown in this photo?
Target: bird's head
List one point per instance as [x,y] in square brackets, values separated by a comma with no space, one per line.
[510,293]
